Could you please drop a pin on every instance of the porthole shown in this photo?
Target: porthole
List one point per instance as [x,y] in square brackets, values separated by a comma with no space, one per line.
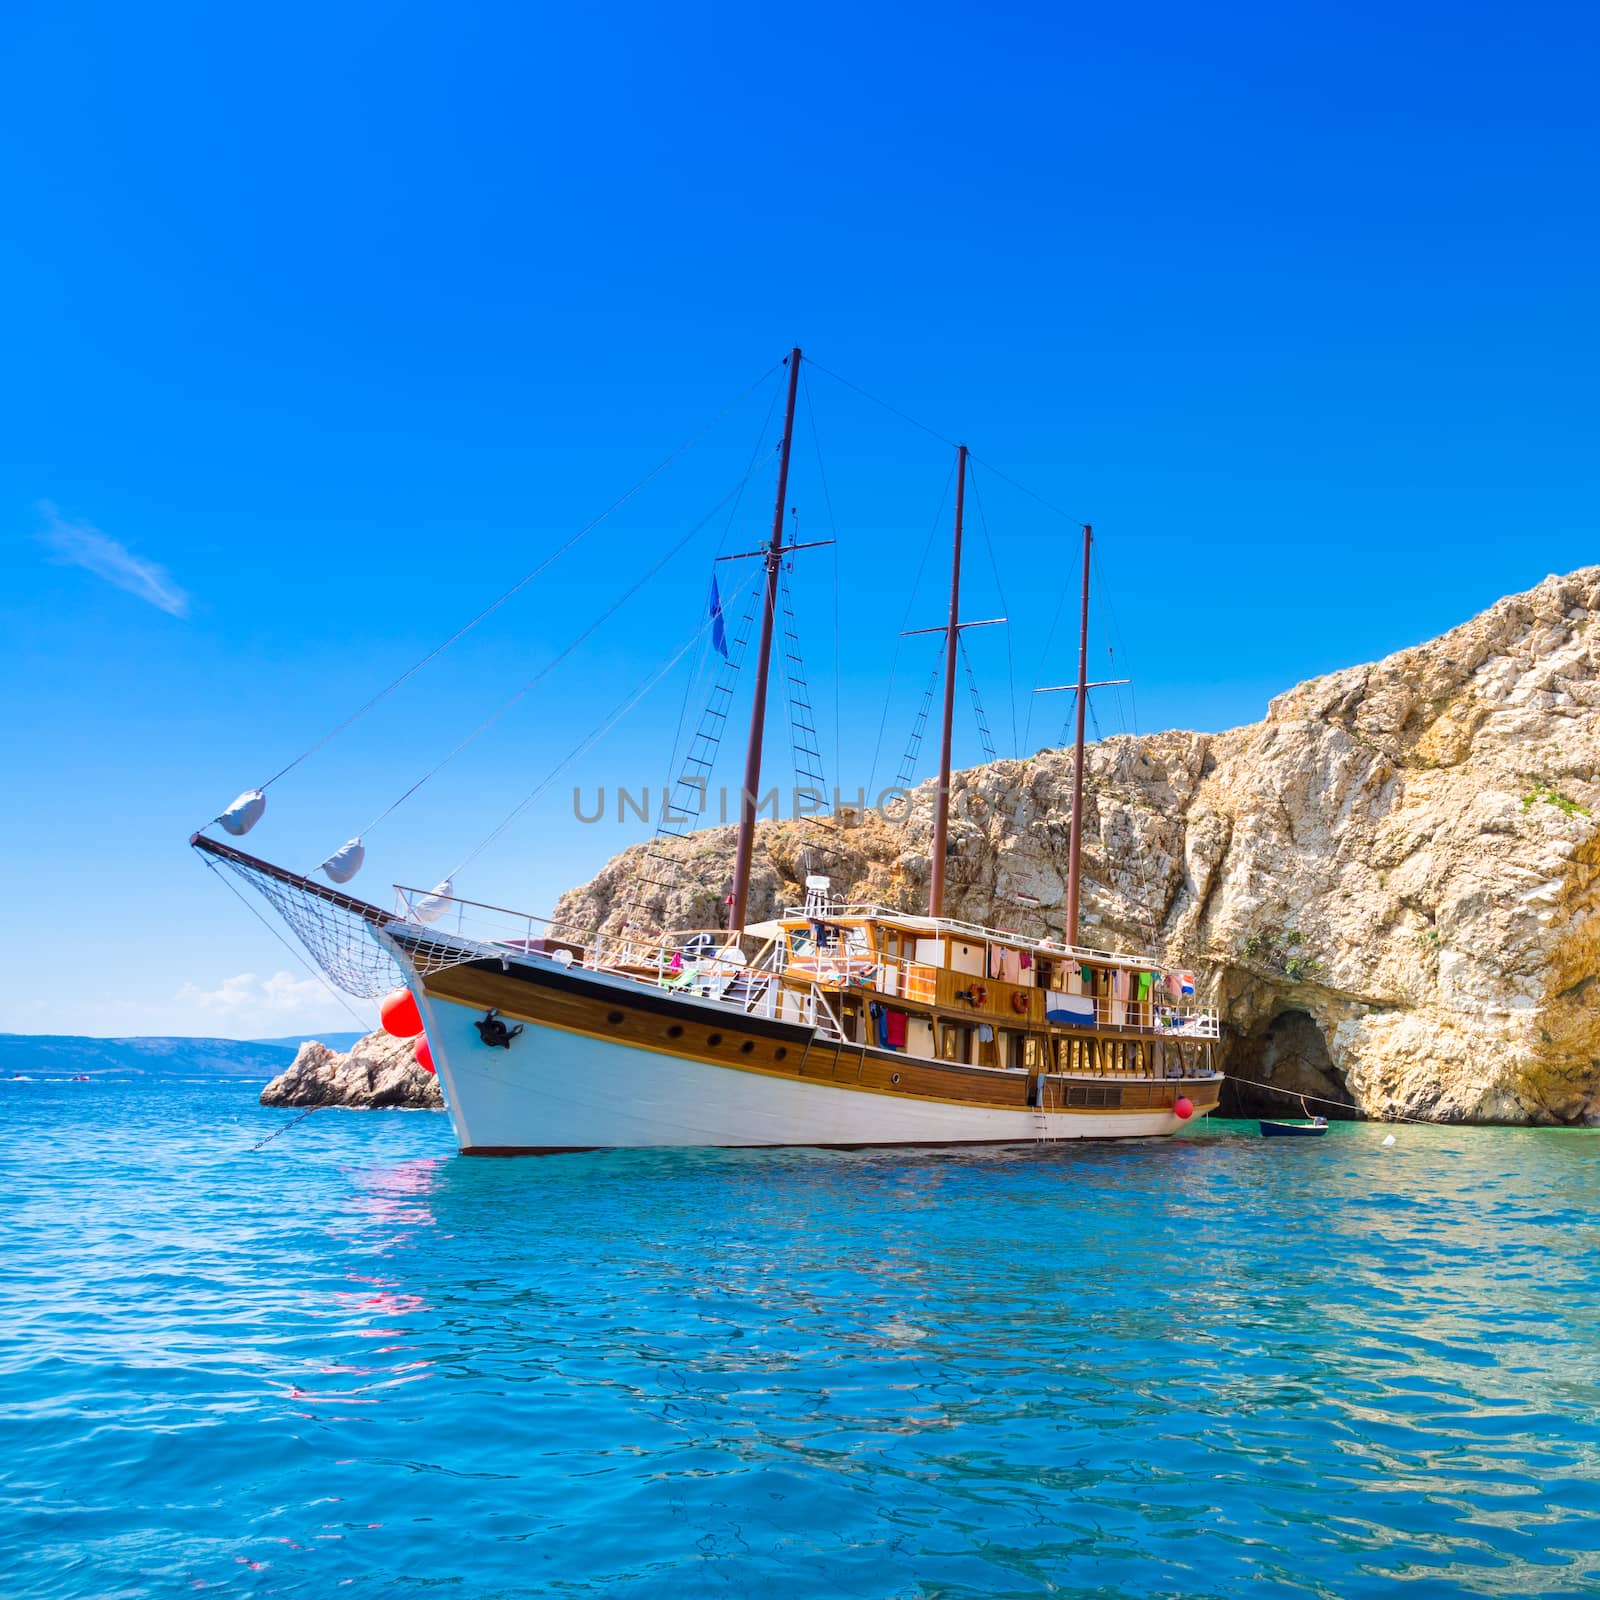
[780,1052]
[894,1077]
[714,1038]
[675,1031]
[747,1047]
[613,1017]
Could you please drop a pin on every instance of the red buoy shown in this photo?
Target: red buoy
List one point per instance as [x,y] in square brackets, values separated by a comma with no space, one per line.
[399,1014]
[425,1054]
[1183,1108]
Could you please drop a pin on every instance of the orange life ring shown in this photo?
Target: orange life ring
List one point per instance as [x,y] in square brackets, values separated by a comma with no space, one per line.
[1019,1001]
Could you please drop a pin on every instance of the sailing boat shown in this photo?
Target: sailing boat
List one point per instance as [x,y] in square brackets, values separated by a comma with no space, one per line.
[832,1024]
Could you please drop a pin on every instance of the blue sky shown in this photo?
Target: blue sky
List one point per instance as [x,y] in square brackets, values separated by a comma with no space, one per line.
[323,325]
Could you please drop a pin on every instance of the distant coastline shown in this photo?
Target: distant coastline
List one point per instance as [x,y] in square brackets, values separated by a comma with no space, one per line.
[41,1055]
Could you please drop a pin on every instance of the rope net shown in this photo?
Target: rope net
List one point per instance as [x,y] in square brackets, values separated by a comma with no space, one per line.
[340,933]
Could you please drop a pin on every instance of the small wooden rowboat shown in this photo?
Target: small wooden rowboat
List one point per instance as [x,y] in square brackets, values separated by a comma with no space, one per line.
[1294,1130]
[1311,1128]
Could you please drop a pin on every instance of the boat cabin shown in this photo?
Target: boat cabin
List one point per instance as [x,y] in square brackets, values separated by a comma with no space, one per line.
[945,990]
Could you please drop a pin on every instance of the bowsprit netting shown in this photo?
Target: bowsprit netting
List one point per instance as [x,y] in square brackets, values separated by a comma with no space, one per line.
[336,930]
[342,934]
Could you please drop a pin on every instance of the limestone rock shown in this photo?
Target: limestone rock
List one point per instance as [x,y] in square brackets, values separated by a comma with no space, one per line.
[1390,883]
[379,1071]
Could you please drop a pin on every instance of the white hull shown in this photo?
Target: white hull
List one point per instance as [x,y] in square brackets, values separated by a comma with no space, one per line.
[558,1090]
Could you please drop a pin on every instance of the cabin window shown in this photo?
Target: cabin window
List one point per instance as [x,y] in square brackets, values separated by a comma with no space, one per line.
[1035,1053]
[953,1042]
[826,939]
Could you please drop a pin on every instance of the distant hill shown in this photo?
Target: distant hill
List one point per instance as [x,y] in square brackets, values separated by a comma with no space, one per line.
[39,1054]
[342,1042]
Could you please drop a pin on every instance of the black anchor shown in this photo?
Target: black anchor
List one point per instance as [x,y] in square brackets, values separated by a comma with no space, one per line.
[494,1032]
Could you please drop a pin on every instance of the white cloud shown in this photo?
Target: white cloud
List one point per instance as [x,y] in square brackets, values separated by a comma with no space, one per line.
[81,544]
[247,1005]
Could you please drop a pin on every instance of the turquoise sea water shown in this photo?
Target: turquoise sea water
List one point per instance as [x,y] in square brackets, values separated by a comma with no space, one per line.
[354,1362]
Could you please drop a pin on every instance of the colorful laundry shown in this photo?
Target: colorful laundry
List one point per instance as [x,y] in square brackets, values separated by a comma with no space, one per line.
[894,1030]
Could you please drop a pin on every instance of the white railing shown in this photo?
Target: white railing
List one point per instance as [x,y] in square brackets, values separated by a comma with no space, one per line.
[913,981]
[1163,1017]
[977,932]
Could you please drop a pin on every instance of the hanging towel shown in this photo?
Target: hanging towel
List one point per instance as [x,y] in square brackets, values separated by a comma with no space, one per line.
[1074,980]
[1173,985]
[1146,979]
[1077,1010]
[994,961]
[1088,974]
[1027,960]
[894,1029]
[985,1033]
[1011,967]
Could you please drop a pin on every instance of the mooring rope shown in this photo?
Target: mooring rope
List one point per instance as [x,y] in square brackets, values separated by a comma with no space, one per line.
[1323,1100]
[282,1128]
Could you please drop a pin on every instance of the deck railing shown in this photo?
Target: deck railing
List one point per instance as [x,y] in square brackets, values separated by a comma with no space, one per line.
[974,932]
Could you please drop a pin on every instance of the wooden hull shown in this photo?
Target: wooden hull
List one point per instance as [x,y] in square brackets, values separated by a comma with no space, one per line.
[604,1062]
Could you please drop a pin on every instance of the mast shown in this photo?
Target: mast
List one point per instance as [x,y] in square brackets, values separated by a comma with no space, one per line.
[1075,839]
[941,800]
[758,712]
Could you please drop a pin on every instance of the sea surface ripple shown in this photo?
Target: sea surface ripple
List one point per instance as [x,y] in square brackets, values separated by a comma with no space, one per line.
[353,1360]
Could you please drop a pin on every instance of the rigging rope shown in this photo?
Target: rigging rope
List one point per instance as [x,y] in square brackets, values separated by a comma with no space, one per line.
[833,533]
[702,659]
[1011,665]
[594,736]
[894,660]
[985,737]
[934,433]
[550,666]
[295,955]
[908,762]
[526,579]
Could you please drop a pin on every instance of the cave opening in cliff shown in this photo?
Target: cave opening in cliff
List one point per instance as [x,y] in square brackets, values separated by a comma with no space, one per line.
[1289,1053]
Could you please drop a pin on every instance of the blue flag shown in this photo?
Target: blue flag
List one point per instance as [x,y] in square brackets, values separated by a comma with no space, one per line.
[719,634]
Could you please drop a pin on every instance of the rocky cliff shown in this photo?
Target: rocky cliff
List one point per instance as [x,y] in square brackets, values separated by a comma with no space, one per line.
[378,1072]
[1390,882]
